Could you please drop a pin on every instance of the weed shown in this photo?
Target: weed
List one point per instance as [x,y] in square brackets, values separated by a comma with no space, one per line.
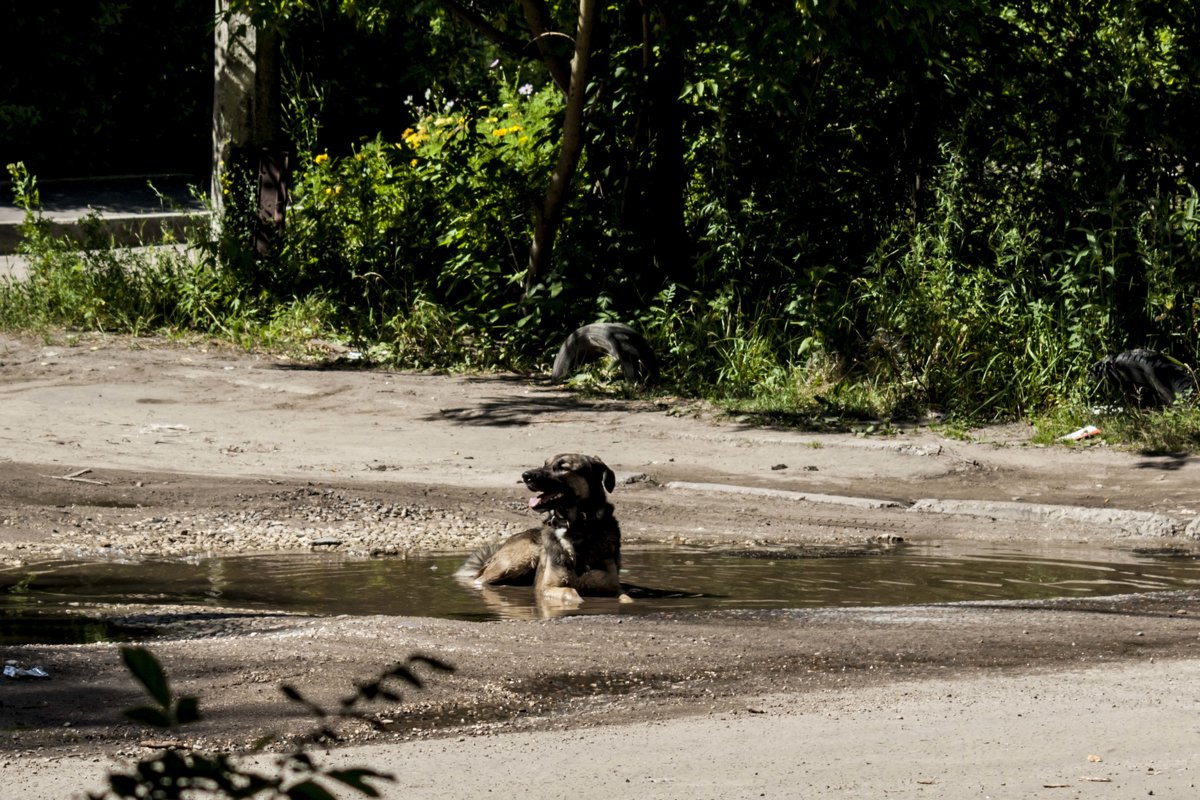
[188,774]
[89,283]
[947,230]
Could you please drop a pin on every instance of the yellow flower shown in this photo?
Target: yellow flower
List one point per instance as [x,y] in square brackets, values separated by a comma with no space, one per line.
[500,132]
[412,163]
[522,139]
[414,138]
[514,128]
[321,158]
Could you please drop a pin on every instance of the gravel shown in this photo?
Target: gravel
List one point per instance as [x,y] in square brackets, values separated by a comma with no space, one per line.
[296,520]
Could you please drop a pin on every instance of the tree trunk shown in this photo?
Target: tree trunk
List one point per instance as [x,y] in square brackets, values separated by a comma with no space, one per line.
[549,216]
[247,138]
[653,189]
[668,173]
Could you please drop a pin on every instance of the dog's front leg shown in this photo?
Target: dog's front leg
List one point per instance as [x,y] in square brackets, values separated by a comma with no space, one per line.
[562,596]
[605,581]
[553,585]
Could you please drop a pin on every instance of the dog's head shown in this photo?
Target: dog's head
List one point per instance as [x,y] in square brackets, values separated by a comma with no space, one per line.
[569,482]
[1102,372]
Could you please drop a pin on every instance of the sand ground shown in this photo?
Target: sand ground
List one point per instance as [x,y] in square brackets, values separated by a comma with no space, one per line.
[1067,698]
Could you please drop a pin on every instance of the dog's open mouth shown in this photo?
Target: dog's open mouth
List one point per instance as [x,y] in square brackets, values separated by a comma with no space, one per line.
[544,500]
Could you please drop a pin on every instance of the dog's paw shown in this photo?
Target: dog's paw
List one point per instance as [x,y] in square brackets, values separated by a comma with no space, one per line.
[562,595]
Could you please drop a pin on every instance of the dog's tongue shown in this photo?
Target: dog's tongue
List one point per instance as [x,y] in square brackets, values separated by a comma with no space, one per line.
[537,500]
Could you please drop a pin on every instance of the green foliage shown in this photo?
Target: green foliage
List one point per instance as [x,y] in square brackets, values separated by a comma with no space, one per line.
[397,233]
[873,208]
[952,234]
[167,711]
[24,186]
[176,774]
[1174,430]
[90,284]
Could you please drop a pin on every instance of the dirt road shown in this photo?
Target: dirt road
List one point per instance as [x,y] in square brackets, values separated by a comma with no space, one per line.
[202,450]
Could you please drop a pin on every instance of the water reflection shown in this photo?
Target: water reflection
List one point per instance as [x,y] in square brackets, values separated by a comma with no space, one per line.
[697,580]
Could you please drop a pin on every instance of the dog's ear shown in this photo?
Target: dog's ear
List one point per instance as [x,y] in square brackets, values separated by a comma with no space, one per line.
[608,477]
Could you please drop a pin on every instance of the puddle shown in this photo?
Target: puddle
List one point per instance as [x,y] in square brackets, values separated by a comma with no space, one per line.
[36,600]
[19,626]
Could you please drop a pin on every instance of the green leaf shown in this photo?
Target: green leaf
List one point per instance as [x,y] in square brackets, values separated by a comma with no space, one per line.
[148,672]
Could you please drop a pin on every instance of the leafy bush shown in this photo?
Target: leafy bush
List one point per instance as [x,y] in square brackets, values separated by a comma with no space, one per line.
[88,283]
[870,208]
[425,234]
[175,774]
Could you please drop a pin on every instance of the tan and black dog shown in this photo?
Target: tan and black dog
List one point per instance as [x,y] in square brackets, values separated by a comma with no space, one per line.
[576,550]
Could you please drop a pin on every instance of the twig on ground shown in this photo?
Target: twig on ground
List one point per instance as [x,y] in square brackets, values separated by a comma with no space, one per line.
[74,476]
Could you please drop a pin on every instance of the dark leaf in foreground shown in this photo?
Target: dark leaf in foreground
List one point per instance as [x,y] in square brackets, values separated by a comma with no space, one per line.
[148,672]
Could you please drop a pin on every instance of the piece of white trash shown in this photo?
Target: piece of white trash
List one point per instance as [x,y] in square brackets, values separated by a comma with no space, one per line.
[1082,433]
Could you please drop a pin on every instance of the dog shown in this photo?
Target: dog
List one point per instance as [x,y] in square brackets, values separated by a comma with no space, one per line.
[617,340]
[1144,377]
[575,551]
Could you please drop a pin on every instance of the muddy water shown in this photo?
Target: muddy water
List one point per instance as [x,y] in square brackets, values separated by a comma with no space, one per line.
[39,602]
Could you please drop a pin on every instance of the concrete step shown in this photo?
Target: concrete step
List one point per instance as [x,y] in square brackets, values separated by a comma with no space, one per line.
[131,208]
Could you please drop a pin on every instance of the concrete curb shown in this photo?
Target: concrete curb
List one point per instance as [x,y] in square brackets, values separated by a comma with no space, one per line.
[1132,523]
[833,499]
[131,209]
[125,230]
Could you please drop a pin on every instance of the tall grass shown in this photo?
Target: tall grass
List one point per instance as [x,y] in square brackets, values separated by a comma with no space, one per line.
[87,282]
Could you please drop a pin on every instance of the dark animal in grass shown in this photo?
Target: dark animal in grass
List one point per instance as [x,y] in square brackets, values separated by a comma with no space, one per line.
[625,345]
[1143,377]
[577,548]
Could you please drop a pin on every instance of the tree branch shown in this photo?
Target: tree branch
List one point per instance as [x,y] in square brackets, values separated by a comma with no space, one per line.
[537,17]
[511,44]
[550,215]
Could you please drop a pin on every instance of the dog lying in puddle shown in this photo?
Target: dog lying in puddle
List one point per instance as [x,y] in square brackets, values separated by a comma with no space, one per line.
[576,550]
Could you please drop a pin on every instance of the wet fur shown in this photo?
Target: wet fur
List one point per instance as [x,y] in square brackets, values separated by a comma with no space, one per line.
[577,548]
